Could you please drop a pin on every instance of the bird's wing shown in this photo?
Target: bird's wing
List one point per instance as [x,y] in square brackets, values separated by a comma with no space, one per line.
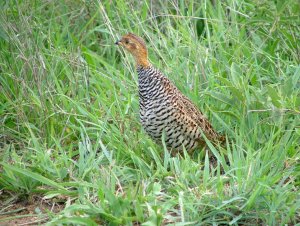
[194,117]
[197,116]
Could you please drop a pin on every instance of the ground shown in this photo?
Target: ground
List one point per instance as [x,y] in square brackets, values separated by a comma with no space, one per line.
[31,210]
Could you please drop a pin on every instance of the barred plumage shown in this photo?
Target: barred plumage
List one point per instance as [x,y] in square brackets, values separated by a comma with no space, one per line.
[164,110]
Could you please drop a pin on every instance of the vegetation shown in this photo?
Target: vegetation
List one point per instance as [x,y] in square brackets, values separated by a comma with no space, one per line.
[70,131]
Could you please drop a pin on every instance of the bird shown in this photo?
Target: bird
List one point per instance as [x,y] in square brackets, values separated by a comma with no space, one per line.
[166,114]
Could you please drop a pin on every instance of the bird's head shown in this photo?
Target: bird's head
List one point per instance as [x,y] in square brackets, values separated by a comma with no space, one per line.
[137,47]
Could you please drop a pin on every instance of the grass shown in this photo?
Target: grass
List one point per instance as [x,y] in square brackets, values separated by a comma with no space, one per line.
[70,132]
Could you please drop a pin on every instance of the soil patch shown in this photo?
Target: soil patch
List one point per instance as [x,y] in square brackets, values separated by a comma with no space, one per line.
[25,210]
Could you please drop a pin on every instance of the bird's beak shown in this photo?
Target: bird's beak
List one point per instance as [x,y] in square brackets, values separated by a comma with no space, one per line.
[117,42]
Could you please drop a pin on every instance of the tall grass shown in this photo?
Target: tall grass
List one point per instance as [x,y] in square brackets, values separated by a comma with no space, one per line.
[69,111]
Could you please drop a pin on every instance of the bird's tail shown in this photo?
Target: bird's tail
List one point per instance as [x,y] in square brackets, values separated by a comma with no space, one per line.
[219,139]
[222,139]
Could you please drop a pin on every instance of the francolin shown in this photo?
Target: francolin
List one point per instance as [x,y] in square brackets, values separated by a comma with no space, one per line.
[163,108]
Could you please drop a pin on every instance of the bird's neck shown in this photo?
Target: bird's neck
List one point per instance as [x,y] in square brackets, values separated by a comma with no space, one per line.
[141,60]
[144,63]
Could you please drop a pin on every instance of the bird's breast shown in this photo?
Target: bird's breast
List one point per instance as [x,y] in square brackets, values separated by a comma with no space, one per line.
[158,114]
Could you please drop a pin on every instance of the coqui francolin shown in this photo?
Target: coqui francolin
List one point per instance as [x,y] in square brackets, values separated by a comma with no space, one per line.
[163,108]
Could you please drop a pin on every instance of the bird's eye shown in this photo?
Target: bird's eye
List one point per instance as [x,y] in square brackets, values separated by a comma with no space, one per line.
[126,41]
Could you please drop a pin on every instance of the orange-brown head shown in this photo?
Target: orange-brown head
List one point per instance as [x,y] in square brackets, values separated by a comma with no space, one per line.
[137,47]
